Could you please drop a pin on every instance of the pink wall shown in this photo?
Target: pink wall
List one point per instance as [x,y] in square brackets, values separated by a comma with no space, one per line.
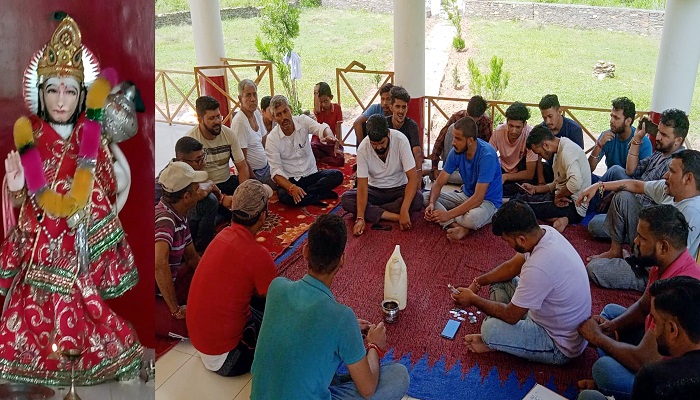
[121,34]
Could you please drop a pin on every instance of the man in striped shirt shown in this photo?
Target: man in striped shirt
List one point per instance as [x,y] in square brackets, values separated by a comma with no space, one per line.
[220,146]
[175,255]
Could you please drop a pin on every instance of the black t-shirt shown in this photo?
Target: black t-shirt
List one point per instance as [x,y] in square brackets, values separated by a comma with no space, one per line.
[675,378]
[410,129]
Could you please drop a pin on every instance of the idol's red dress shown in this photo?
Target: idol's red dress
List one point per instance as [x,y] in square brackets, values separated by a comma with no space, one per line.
[47,299]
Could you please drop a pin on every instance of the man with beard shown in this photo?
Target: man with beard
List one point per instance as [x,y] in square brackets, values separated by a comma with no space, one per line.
[614,143]
[402,123]
[560,126]
[673,129]
[537,299]
[220,145]
[482,191]
[680,188]
[555,201]
[387,186]
[674,305]
[383,108]
[662,234]
[292,162]
[476,108]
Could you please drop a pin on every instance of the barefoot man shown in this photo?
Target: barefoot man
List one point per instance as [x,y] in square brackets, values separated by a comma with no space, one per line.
[537,298]
[482,192]
[555,202]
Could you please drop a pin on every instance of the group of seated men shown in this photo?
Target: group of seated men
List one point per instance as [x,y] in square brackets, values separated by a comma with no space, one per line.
[539,304]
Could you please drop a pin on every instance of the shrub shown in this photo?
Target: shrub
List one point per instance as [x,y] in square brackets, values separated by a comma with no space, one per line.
[492,84]
[454,15]
[279,26]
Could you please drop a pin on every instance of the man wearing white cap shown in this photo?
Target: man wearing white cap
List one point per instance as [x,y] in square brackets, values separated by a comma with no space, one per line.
[227,294]
[175,255]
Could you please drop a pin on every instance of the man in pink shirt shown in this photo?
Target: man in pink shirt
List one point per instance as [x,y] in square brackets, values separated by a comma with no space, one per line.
[518,163]
[662,234]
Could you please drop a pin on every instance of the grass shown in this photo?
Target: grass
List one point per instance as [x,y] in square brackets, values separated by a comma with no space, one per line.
[328,39]
[166,6]
[643,4]
[552,59]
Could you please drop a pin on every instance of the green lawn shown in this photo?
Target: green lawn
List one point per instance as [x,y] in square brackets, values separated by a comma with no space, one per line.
[166,6]
[328,39]
[552,59]
[644,4]
[540,59]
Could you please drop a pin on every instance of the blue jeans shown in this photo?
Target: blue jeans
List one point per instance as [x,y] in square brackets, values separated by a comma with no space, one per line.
[525,338]
[393,384]
[612,378]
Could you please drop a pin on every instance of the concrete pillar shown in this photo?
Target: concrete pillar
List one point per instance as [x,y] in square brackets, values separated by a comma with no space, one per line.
[209,48]
[409,55]
[679,57]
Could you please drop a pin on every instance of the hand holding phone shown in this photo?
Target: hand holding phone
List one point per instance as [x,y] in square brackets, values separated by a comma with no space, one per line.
[452,288]
[525,189]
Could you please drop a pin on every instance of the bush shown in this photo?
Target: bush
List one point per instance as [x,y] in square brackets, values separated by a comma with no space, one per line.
[458,43]
[454,15]
[311,3]
[280,25]
[455,78]
[490,85]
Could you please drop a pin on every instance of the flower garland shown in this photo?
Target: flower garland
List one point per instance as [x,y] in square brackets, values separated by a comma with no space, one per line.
[52,202]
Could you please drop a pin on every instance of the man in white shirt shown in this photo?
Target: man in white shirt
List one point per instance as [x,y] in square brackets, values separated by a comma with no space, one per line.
[680,188]
[538,298]
[292,163]
[220,146]
[387,184]
[249,128]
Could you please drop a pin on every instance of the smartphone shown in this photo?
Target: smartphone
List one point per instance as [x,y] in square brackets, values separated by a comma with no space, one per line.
[523,188]
[450,329]
[452,288]
[380,227]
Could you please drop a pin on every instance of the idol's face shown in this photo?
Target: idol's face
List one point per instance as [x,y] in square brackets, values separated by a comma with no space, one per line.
[61,97]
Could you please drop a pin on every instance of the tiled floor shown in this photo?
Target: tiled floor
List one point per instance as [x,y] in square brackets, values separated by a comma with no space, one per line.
[180,375]
[132,390]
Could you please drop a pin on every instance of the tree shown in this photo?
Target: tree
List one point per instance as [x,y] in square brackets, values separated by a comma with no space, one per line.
[279,26]
[454,15]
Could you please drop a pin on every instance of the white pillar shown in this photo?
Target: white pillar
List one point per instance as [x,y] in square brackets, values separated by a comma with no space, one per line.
[679,56]
[409,46]
[207,32]
[209,49]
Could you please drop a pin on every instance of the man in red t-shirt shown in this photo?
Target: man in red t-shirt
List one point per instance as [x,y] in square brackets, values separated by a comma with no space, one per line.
[331,114]
[227,293]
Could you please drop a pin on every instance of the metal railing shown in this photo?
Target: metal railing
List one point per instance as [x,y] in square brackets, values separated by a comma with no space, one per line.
[355,67]
[169,111]
[498,107]
[170,82]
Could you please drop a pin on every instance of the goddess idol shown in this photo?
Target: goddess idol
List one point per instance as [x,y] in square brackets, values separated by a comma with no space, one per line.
[67,252]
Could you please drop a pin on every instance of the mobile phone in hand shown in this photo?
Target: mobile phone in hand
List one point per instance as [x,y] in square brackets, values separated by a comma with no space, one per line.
[452,288]
[523,188]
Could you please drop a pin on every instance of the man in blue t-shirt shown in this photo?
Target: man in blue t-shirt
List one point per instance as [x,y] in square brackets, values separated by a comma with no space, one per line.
[482,192]
[383,108]
[614,143]
[306,334]
[560,126]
